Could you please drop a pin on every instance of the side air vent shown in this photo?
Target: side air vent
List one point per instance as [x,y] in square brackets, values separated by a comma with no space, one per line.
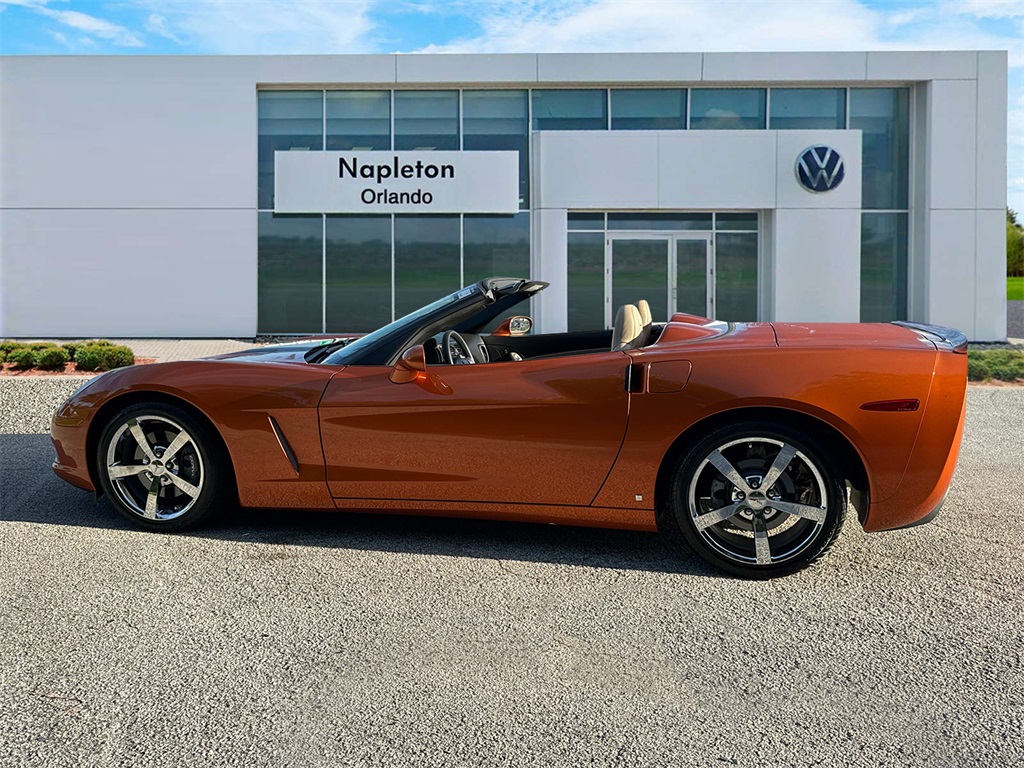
[283,442]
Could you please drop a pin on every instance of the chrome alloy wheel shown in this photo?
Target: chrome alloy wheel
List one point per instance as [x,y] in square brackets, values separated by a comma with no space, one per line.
[758,501]
[154,466]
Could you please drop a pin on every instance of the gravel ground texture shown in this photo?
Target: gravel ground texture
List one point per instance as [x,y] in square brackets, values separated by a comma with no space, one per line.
[276,638]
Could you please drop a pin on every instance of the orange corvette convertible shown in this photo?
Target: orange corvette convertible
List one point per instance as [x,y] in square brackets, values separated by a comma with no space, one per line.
[746,440]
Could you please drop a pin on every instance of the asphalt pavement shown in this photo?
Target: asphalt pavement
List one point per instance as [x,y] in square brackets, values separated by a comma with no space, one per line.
[332,639]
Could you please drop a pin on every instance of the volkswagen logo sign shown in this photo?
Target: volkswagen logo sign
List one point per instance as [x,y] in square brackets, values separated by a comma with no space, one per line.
[820,169]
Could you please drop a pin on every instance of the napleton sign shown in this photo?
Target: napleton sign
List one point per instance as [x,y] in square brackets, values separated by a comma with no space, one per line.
[396,182]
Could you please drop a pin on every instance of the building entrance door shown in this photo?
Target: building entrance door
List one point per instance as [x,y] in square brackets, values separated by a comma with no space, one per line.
[673,271]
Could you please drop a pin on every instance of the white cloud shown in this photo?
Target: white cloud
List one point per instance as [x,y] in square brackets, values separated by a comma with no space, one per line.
[264,26]
[95,26]
[991,9]
[157,25]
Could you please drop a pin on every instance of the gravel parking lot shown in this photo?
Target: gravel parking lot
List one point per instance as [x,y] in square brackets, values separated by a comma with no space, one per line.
[333,639]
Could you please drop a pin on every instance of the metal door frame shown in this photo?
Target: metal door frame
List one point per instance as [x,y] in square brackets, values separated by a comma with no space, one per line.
[671,238]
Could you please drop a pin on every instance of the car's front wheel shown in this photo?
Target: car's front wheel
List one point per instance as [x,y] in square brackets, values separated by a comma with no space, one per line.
[758,499]
[160,467]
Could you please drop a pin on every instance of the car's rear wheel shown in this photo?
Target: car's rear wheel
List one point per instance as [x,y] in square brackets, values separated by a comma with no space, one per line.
[160,467]
[758,499]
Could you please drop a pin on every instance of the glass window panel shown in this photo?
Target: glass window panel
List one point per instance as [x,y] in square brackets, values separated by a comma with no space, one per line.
[427,120]
[794,108]
[692,277]
[648,109]
[586,281]
[570,110]
[499,120]
[358,273]
[701,221]
[727,108]
[359,120]
[736,276]
[497,246]
[426,260]
[736,222]
[640,271]
[883,267]
[289,274]
[883,114]
[594,221]
[286,120]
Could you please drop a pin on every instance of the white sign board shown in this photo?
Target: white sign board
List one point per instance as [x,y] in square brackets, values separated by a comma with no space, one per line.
[396,182]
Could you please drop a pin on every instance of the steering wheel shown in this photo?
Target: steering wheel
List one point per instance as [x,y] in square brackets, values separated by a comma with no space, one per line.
[456,349]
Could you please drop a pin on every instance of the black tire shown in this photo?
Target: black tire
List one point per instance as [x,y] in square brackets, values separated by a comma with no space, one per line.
[187,491]
[773,531]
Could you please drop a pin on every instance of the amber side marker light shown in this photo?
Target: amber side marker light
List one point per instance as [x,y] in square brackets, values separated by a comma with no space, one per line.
[892,405]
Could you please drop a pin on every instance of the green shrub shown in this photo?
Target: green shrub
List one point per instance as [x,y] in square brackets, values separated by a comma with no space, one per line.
[3,356]
[102,357]
[51,359]
[7,345]
[71,347]
[23,358]
[101,343]
[1001,364]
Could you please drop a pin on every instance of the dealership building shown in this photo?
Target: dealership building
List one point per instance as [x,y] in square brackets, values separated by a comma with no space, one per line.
[230,196]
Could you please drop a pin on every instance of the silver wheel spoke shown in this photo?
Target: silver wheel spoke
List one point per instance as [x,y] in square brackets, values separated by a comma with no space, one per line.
[817,514]
[176,445]
[779,466]
[129,470]
[762,547]
[716,516]
[140,438]
[152,498]
[183,484]
[722,465]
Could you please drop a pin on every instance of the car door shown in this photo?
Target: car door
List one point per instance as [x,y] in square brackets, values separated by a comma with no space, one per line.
[542,431]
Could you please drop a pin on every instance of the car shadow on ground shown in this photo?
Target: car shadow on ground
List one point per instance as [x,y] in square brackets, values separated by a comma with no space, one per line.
[31,493]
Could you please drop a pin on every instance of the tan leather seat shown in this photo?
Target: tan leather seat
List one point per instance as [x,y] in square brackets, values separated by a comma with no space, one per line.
[645,313]
[628,328]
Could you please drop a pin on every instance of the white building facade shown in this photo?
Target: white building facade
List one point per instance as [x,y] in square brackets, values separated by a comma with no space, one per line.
[235,196]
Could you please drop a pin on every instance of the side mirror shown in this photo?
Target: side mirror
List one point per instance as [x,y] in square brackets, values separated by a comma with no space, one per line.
[410,366]
[514,326]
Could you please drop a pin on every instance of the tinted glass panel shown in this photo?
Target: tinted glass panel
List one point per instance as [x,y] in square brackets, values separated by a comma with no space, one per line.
[640,271]
[287,120]
[496,120]
[643,109]
[700,221]
[586,281]
[692,277]
[580,110]
[883,115]
[736,276]
[736,222]
[358,120]
[427,120]
[290,274]
[808,108]
[727,108]
[883,267]
[586,221]
[426,260]
[496,246]
[358,273]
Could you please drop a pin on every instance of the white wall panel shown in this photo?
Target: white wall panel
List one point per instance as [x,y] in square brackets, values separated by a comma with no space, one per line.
[991,130]
[551,264]
[816,255]
[952,144]
[951,271]
[990,276]
[466,68]
[783,67]
[618,68]
[908,66]
[717,169]
[129,273]
[83,132]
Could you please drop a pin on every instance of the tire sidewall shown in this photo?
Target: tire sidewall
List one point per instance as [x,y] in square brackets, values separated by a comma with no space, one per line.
[835,486]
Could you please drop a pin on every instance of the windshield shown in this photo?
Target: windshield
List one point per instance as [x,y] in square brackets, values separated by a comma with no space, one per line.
[407,323]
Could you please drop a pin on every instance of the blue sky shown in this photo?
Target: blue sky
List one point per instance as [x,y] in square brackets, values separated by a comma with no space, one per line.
[387,26]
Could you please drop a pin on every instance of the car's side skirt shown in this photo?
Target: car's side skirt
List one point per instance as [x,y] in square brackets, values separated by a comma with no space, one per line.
[599,517]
